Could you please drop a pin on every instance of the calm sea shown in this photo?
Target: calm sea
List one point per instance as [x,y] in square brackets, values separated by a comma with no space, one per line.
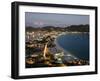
[76,44]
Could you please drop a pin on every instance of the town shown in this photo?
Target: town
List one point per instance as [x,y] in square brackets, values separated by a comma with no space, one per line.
[42,51]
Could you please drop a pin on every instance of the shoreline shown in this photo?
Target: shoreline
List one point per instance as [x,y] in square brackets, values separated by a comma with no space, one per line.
[65,51]
[65,33]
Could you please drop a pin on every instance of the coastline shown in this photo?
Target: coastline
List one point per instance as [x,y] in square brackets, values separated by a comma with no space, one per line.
[65,51]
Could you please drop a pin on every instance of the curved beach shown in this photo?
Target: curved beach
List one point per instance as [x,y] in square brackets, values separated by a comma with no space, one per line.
[74,44]
[66,53]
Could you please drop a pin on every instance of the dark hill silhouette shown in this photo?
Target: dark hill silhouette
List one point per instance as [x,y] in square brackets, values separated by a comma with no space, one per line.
[71,28]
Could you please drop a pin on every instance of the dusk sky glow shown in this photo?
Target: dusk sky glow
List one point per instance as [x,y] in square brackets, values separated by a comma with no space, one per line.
[51,19]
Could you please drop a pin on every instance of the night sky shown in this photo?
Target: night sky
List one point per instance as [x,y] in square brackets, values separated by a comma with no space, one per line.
[51,19]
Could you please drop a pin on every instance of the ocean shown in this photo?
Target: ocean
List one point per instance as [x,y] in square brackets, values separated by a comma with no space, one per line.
[76,44]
